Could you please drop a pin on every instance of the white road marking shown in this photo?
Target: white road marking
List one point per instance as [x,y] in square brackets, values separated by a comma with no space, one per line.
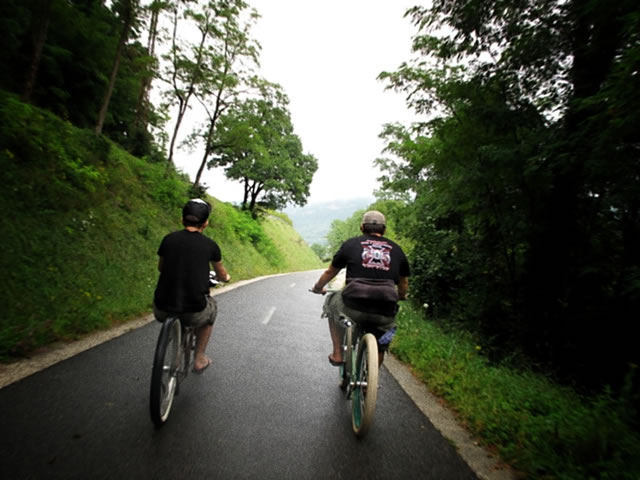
[292,285]
[269,315]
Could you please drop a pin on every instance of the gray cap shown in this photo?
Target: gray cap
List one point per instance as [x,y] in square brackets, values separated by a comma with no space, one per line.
[373,217]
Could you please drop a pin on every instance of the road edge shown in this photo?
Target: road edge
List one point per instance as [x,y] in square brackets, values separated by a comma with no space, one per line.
[485,465]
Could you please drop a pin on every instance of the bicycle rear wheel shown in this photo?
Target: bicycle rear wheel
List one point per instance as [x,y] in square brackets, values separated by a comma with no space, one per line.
[164,376]
[365,390]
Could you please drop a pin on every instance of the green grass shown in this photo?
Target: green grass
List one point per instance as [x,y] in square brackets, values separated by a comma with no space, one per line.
[542,429]
[81,222]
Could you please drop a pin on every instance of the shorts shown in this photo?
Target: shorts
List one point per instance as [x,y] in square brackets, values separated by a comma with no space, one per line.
[334,306]
[193,319]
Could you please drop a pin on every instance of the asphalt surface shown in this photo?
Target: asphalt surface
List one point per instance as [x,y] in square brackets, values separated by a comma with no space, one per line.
[268,407]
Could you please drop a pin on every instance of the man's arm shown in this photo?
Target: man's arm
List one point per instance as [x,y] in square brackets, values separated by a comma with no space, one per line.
[403,288]
[160,263]
[221,272]
[325,278]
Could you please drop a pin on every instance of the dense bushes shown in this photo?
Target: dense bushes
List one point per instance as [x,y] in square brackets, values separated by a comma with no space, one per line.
[521,184]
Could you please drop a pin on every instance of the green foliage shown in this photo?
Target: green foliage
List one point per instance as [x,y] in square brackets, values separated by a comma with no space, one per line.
[322,251]
[342,230]
[78,43]
[248,230]
[212,66]
[34,140]
[521,194]
[255,143]
[542,429]
[82,220]
[295,254]
[282,216]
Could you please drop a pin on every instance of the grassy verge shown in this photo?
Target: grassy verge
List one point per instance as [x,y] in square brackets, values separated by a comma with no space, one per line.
[81,222]
[542,429]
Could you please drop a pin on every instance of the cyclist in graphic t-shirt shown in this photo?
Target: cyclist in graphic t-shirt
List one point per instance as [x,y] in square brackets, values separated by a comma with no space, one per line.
[377,277]
[183,285]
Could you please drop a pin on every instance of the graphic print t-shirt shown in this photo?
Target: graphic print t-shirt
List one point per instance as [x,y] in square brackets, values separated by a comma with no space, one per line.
[184,280]
[370,256]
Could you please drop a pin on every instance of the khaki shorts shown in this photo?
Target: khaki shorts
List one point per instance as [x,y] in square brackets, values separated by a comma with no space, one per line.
[195,319]
[334,306]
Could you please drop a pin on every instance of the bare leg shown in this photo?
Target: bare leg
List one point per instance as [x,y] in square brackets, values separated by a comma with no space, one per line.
[202,339]
[380,358]
[336,339]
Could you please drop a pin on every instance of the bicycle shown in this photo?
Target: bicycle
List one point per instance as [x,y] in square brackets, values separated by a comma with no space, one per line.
[173,360]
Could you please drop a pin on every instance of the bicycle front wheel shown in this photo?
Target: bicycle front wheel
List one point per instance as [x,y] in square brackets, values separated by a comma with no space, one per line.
[164,376]
[365,390]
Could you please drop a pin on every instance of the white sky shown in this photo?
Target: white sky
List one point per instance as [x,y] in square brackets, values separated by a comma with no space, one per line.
[327,56]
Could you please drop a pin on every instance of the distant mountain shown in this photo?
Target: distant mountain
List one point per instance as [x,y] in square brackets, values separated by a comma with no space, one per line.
[313,221]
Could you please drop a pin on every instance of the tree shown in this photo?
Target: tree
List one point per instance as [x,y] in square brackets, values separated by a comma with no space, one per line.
[321,251]
[341,230]
[71,63]
[128,12]
[255,143]
[71,49]
[142,106]
[42,18]
[236,49]
[195,66]
[525,214]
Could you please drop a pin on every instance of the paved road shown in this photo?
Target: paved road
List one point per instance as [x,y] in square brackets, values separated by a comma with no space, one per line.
[268,407]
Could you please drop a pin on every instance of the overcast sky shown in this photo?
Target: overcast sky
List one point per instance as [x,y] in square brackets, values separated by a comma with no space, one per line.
[327,56]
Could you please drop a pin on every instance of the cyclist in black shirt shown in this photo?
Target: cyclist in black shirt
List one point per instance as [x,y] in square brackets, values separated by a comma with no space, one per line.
[183,285]
[377,277]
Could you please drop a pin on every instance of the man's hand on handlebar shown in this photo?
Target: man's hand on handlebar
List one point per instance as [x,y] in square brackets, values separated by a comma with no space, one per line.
[323,291]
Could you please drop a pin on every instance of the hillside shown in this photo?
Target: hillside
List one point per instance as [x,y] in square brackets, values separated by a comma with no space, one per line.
[82,220]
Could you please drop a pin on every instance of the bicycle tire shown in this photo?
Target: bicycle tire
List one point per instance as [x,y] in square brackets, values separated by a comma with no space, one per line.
[164,380]
[365,390]
[347,367]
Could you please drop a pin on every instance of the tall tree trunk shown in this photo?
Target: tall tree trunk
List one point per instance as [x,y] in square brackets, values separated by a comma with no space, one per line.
[212,125]
[128,18]
[213,119]
[205,156]
[184,101]
[41,26]
[246,193]
[143,99]
[255,191]
[182,109]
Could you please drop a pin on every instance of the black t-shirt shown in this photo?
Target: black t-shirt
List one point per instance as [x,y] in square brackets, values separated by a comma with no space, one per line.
[184,280]
[370,256]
